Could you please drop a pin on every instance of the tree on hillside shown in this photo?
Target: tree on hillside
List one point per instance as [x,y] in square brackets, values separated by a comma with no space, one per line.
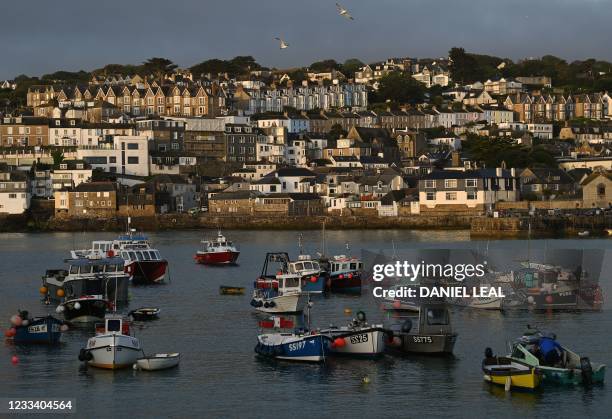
[158,67]
[350,66]
[400,87]
[336,132]
[57,156]
[324,65]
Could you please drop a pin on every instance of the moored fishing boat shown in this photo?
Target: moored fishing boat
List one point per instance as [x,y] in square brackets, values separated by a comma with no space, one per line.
[218,251]
[297,346]
[84,309]
[571,368]
[312,278]
[278,292]
[112,347]
[509,373]
[36,330]
[358,338]
[145,313]
[141,261]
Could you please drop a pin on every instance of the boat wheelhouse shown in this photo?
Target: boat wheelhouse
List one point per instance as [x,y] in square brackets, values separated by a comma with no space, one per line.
[345,273]
[92,275]
[278,291]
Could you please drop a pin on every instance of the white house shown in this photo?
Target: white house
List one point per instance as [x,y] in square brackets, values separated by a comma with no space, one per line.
[123,154]
[15,192]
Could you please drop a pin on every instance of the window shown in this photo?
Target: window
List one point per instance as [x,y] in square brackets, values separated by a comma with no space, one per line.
[601,190]
[450,183]
[430,183]
[472,195]
[132,160]
[451,196]
[132,146]
[470,183]
[431,196]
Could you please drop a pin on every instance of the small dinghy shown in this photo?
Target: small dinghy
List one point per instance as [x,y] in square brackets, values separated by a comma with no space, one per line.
[145,313]
[227,290]
[510,373]
[584,233]
[158,362]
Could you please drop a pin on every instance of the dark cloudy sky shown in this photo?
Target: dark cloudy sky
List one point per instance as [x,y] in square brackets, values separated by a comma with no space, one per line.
[40,36]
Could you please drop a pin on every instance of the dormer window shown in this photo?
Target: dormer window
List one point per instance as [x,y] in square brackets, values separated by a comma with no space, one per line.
[57,123]
[63,166]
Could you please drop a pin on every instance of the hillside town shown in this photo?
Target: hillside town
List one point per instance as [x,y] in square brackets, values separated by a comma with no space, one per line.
[310,142]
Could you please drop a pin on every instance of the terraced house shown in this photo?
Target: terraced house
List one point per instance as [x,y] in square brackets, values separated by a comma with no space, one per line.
[471,191]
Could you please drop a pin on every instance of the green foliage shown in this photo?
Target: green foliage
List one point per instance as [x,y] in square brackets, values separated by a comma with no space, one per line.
[157,67]
[336,132]
[324,65]
[236,66]
[492,152]
[350,66]
[58,156]
[67,77]
[399,87]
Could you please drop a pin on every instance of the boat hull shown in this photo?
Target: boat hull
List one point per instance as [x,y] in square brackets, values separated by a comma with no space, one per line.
[113,351]
[562,376]
[90,310]
[216,258]
[529,380]
[367,342]
[288,303]
[158,362]
[317,286]
[40,331]
[145,272]
[288,347]
[559,300]
[427,344]
[348,283]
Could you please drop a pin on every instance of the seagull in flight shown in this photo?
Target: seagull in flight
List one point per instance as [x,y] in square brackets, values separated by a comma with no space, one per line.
[343,12]
[283,44]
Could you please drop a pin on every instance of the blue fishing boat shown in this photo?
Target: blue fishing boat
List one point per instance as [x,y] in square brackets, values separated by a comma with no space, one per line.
[296,346]
[38,330]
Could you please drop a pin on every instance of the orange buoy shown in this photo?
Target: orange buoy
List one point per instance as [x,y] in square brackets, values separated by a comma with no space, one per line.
[313,279]
[341,276]
[43,290]
[60,292]
[339,342]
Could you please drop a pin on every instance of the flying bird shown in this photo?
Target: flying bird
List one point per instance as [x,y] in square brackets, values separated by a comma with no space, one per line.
[283,44]
[343,12]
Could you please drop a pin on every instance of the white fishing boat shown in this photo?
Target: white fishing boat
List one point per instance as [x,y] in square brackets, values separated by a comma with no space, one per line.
[283,295]
[280,292]
[158,362]
[358,338]
[113,347]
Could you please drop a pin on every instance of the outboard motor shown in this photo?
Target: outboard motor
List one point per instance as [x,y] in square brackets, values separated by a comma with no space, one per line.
[407,326]
[587,371]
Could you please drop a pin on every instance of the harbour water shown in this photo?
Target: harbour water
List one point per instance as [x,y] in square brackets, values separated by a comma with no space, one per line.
[220,375]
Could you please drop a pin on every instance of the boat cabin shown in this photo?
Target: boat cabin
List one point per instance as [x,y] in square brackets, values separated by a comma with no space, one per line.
[92,266]
[430,319]
[304,266]
[113,325]
[343,264]
[217,245]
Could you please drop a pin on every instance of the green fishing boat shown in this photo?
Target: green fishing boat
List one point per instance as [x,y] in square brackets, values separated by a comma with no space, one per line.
[572,369]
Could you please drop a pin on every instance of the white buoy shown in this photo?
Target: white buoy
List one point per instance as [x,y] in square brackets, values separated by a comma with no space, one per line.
[77,306]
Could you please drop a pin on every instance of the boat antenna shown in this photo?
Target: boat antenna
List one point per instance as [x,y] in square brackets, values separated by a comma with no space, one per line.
[300,243]
[323,239]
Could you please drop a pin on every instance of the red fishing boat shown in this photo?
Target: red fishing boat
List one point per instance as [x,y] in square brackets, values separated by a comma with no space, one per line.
[218,251]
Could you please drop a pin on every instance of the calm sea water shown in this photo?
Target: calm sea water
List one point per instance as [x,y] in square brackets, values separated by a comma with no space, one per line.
[220,375]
